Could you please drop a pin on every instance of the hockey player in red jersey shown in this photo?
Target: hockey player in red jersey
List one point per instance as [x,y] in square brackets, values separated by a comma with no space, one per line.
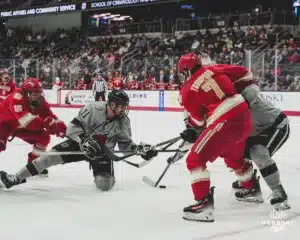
[222,116]
[26,114]
[7,86]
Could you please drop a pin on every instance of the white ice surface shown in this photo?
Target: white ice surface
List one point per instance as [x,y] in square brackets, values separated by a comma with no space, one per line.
[68,206]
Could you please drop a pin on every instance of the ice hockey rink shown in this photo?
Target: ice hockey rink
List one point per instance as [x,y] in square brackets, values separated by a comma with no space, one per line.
[67,205]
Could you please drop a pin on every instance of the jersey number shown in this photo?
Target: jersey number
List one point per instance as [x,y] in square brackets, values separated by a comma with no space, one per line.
[207,83]
[84,113]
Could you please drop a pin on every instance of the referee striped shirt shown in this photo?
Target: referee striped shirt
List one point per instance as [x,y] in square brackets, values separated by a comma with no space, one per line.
[99,86]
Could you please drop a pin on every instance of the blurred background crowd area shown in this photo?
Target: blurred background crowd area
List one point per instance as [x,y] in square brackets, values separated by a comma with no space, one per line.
[143,57]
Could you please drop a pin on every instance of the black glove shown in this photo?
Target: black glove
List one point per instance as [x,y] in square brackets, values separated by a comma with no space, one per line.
[92,149]
[146,151]
[190,135]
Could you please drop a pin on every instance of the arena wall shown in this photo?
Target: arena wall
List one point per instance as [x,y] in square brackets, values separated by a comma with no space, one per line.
[162,100]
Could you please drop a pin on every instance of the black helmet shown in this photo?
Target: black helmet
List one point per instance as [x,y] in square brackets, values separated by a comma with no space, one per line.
[119,97]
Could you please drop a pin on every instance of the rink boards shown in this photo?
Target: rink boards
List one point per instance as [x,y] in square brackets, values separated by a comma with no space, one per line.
[162,100]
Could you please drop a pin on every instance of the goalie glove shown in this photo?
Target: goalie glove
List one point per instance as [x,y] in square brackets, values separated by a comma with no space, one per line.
[146,151]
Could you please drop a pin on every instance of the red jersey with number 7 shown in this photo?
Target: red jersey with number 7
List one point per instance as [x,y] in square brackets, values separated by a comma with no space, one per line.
[210,97]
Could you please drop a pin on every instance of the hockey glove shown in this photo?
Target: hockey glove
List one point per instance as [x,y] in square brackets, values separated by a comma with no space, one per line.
[190,135]
[146,151]
[60,129]
[55,127]
[49,125]
[92,149]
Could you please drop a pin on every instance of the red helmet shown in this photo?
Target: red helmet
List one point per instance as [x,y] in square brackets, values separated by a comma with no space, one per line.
[188,61]
[32,85]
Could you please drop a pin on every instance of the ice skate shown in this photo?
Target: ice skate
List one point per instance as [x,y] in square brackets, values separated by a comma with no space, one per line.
[44,173]
[236,186]
[202,210]
[279,199]
[251,195]
[7,181]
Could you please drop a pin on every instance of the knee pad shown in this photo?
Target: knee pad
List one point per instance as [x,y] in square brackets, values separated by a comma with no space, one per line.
[104,182]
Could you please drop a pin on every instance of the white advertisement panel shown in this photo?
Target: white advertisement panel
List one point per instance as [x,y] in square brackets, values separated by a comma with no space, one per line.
[287,101]
[137,98]
[172,99]
[51,96]
[76,97]
[167,100]
[143,98]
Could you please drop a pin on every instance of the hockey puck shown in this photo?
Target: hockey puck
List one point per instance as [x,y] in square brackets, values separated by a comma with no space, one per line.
[162,186]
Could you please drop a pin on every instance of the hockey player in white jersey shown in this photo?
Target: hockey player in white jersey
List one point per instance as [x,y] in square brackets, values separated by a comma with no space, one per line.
[269,132]
[98,122]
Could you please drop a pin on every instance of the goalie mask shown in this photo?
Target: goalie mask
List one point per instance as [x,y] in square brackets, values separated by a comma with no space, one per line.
[118,101]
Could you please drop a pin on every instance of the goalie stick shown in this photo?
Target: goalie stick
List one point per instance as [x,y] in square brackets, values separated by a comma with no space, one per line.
[176,157]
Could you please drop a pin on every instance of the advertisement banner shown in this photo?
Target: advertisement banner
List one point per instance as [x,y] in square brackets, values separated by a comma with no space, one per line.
[143,98]
[51,96]
[287,101]
[172,99]
[165,100]
[75,97]
[84,6]
[137,98]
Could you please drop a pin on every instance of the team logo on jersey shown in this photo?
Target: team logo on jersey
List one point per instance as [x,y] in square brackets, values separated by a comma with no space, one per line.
[18,96]
[64,145]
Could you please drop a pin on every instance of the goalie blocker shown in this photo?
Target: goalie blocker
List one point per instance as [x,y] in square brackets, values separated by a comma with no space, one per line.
[98,122]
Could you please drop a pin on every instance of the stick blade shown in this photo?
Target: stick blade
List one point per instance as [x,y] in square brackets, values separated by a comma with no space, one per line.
[149,181]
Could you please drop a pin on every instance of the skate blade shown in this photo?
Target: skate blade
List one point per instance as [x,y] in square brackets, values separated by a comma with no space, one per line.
[198,217]
[42,175]
[251,199]
[236,190]
[282,206]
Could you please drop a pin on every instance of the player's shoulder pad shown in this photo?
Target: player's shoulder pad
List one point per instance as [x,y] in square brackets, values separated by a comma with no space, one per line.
[97,106]
[251,93]
[125,121]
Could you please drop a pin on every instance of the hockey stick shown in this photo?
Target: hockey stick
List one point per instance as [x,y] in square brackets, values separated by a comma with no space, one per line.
[115,158]
[145,162]
[176,157]
[84,153]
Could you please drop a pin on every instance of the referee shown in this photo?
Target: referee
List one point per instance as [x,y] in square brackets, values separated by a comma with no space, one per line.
[99,88]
